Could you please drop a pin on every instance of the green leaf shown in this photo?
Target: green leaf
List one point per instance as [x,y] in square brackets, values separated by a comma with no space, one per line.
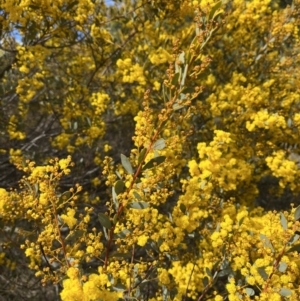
[119,187]
[114,197]
[175,79]
[126,164]
[123,233]
[142,155]
[182,208]
[120,255]
[267,242]
[137,196]
[297,214]
[294,248]
[214,9]
[181,57]
[208,272]
[186,67]
[188,57]
[64,197]
[155,161]
[261,271]
[283,221]
[159,144]
[282,267]
[138,205]
[119,287]
[104,220]
[119,175]
[160,241]
[224,264]
[177,106]
[74,235]
[250,292]
[205,281]
[224,272]
[115,219]
[294,238]
[285,292]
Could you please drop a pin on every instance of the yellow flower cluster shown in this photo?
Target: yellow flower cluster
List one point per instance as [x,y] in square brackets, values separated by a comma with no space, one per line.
[263,120]
[99,102]
[129,106]
[223,233]
[12,129]
[131,72]
[3,199]
[160,56]
[69,218]
[94,288]
[221,161]
[284,169]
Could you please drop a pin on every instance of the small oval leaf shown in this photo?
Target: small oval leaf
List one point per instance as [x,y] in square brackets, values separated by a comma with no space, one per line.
[114,197]
[294,238]
[119,187]
[225,272]
[155,161]
[175,79]
[74,235]
[119,287]
[182,208]
[285,292]
[208,272]
[159,144]
[120,256]
[297,214]
[261,271]
[283,221]
[104,220]
[123,233]
[138,205]
[177,106]
[137,196]
[250,292]
[142,155]
[282,267]
[64,197]
[181,57]
[267,242]
[126,164]
[205,281]
[186,67]
[214,9]
[294,249]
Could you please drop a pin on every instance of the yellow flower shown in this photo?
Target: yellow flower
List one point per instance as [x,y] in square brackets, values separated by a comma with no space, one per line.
[69,218]
[72,290]
[73,273]
[3,198]
[163,276]
[142,240]
[231,288]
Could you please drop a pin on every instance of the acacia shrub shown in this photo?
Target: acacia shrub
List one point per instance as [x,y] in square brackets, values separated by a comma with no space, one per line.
[178,219]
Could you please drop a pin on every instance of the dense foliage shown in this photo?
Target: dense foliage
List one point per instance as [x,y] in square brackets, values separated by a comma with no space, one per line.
[145,146]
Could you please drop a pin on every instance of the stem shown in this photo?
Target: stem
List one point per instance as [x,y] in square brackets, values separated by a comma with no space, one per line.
[275,266]
[135,176]
[61,240]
